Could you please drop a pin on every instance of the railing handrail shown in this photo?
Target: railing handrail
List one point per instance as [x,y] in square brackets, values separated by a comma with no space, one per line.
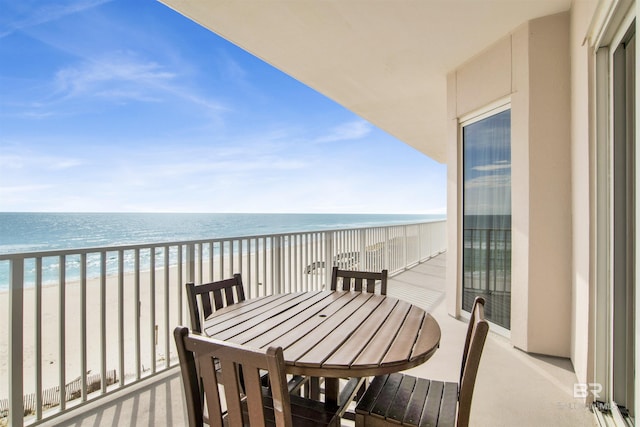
[269,263]
[127,247]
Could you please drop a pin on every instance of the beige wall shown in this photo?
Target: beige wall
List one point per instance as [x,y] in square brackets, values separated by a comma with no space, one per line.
[582,183]
[532,67]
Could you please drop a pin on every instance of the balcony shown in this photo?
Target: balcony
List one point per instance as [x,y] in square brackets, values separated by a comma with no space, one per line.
[138,385]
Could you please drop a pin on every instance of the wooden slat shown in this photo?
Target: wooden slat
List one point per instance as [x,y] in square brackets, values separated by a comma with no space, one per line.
[306,412]
[217,301]
[317,346]
[304,310]
[244,321]
[228,294]
[386,396]
[409,401]
[377,348]
[267,338]
[371,285]
[369,399]
[207,308]
[448,405]
[350,350]
[336,336]
[398,406]
[229,313]
[428,339]
[432,404]
[406,337]
[303,330]
[416,404]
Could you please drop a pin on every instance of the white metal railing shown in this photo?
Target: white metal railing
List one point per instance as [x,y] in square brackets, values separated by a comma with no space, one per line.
[76,316]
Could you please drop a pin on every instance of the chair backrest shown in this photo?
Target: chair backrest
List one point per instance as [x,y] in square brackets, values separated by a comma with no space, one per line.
[474,343]
[358,280]
[212,296]
[194,348]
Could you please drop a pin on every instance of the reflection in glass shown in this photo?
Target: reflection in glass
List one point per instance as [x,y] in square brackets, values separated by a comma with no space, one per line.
[487,216]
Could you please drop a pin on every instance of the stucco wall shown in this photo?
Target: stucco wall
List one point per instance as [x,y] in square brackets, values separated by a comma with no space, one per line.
[532,67]
[582,187]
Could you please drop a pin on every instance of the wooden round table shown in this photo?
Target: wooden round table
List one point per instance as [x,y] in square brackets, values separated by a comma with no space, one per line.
[332,334]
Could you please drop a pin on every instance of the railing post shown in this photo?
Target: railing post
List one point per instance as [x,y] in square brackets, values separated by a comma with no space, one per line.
[387,249]
[488,261]
[328,259]
[363,262]
[405,248]
[420,229]
[16,307]
[277,256]
[62,339]
[191,262]
[433,239]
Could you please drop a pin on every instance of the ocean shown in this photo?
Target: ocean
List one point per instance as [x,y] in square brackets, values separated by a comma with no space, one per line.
[31,232]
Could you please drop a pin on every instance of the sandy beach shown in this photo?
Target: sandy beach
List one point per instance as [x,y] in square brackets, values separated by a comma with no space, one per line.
[152,334]
[72,330]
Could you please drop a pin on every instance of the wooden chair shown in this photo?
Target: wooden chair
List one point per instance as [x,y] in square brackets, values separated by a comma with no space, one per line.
[213,296]
[216,295]
[358,280]
[252,404]
[398,399]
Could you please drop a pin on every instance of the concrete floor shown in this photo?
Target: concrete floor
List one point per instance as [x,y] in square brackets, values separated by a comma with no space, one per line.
[513,388]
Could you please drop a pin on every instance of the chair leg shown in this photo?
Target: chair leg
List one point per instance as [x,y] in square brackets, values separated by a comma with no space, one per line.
[362,389]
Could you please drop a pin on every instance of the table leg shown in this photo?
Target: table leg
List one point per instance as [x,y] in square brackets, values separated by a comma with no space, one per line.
[331,390]
[314,388]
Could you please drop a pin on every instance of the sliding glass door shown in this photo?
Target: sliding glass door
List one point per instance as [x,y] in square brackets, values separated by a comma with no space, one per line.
[616,318]
[624,205]
[486,142]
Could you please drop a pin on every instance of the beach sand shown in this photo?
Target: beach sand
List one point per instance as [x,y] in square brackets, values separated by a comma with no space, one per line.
[152,340]
[72,331]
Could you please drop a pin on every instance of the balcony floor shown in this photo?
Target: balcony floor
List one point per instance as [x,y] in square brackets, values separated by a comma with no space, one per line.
[512,388]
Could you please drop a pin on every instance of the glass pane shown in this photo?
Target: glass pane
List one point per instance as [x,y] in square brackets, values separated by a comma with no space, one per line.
[487,216]
[623,245]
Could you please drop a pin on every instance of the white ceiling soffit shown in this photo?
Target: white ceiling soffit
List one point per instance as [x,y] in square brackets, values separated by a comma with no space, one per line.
[385,60]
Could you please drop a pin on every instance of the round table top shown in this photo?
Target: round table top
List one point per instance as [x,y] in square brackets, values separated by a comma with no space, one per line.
[332,333]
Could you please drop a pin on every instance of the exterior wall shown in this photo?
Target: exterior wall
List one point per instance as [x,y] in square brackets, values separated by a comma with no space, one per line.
[532,67]
[583,180]
[520,175]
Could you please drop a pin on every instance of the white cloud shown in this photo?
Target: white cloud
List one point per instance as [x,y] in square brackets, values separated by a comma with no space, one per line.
[118,68]
[47,13]
[121,76]
[29,161]
[346,132]
[61,164]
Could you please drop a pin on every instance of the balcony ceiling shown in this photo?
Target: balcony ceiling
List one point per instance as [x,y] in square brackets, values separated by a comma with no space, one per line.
[384,60]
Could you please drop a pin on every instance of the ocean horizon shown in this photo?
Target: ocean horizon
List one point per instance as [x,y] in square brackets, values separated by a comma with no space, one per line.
[38,232]
[45,231]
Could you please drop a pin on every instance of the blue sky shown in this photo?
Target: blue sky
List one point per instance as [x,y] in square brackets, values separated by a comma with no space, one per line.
[127,106]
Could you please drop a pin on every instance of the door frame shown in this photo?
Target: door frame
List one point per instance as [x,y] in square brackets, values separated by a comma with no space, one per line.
[477,115]
[621,16]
